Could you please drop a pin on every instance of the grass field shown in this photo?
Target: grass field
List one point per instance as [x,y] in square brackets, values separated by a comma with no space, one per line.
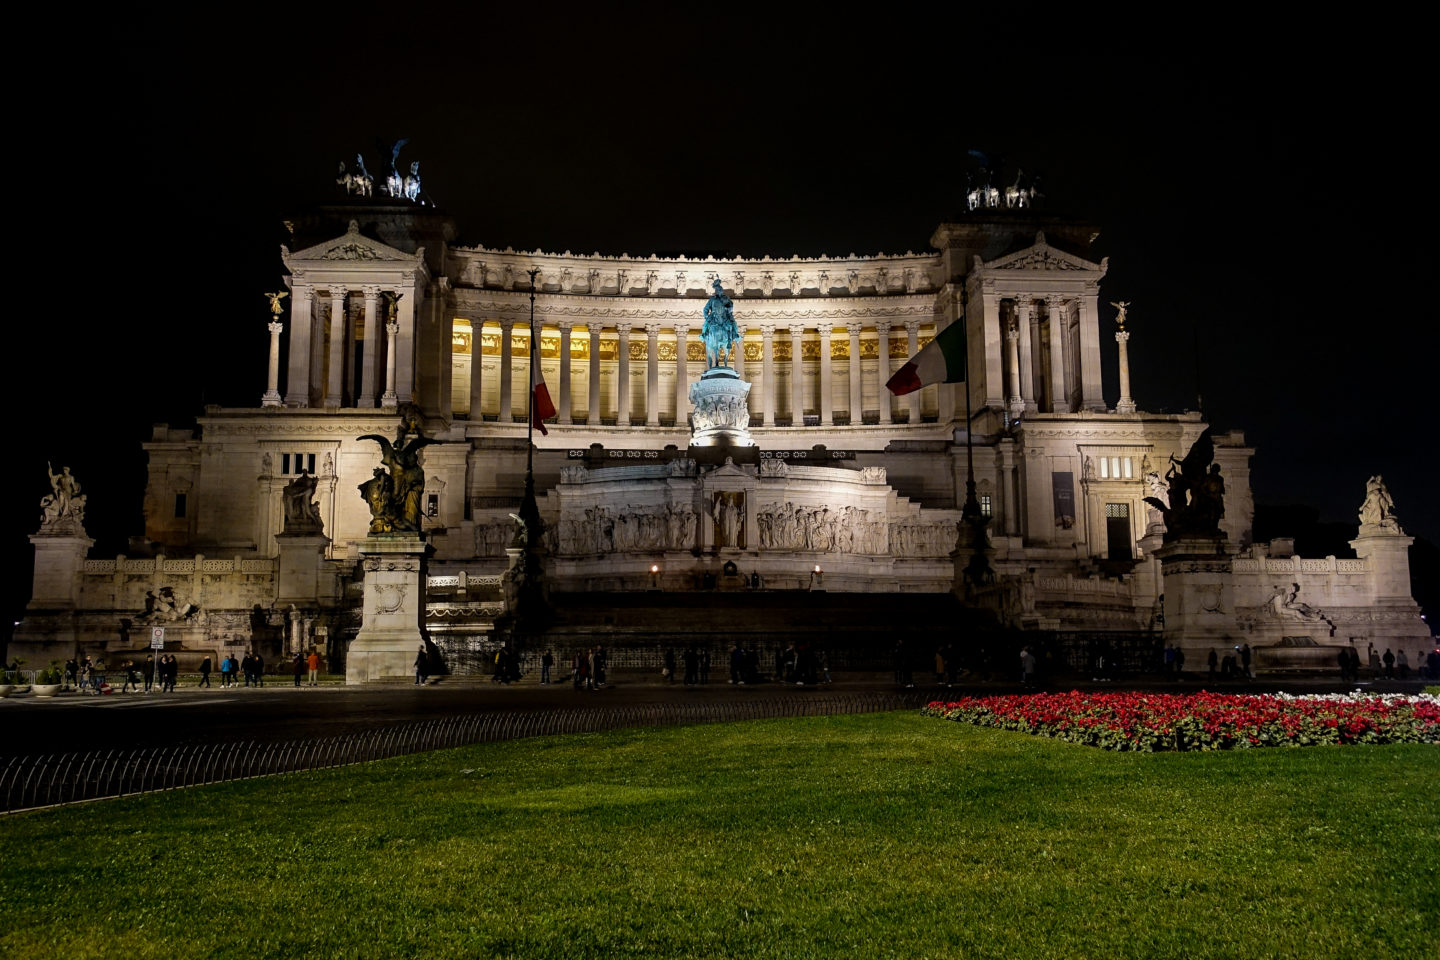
[872,836]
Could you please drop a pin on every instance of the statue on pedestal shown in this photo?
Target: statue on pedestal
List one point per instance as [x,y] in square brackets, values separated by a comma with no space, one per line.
[1378,510]
[719,331]
[1196,493]
[302,513]
[395,494]
[63,509]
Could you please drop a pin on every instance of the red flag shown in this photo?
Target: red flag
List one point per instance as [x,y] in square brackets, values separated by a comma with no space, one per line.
[540,403]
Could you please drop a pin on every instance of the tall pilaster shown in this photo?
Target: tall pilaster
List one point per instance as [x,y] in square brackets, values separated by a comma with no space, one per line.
[477,370]
[797,376]
[370,368]
[335,373]
[392,331]
[404,379]
[827,386]
[767,373]
[507,371]
[1012,356]
[302,312]
[1126,404]
[912,343]
[592,407]
[622,376]
[857,396]
[1092,396]
[652,374]
[1025,320]
[882,370]
[565,404]
[1059,400]
[272,376]
[682,397]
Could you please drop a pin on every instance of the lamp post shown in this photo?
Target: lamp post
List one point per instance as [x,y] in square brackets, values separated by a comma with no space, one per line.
[530,598]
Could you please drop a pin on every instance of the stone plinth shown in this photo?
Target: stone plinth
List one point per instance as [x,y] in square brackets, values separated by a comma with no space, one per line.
[721,416]
[59,560]
[1199,601]
[303,577]
[394,609]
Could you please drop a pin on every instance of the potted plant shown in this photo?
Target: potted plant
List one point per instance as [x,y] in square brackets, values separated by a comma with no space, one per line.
[12,680]
[48,682]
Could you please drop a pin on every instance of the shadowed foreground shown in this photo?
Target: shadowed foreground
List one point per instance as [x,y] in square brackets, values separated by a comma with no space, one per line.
[872,836]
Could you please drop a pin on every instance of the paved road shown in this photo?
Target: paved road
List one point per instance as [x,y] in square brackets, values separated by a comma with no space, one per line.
[280,711]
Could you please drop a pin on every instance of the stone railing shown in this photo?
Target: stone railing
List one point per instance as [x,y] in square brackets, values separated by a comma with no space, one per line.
[1298,565]
[260,565]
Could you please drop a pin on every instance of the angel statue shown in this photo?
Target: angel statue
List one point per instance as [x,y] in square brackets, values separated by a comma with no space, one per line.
[396,501]
[275,298]
[1120,317]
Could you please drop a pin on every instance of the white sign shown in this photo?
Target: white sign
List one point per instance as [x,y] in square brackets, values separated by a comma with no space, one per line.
[157,638]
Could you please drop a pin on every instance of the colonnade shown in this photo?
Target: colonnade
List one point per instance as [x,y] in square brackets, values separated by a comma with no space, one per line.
[321,368]
[765,399]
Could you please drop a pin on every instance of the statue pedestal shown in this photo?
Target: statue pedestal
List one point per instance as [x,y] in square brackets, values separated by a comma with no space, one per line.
[394,609]
[1199,604]
[59,561]
[303,578]
[721,416]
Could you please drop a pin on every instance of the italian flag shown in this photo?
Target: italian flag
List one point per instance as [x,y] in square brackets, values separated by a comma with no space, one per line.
[942,360]
[540,403]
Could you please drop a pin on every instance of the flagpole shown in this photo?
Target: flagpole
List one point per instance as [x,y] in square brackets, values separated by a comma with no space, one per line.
[977,571]
[530,405]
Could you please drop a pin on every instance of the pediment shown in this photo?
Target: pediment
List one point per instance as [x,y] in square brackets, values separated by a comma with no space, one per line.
[1040,257]
[353,247]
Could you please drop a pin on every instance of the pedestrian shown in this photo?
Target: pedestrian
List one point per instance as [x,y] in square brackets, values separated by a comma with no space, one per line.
[1403,663]
[421,665]
[1214,661]
[205,673]
[668,669]
[1245,670]
[1373,659]
[1169,658]
[1179,663]
[72,673]
[298,667]
[1027,666]
[705,665]
[132,677]
[313,662]
[1389,660]
[546,662]
[97,678]
[580,670]
[1354,664]
[224,672]
[692,666]
[600,664]
[737,664]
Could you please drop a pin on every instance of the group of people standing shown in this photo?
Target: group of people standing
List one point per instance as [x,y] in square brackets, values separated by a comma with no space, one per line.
[587,671]
[251,666]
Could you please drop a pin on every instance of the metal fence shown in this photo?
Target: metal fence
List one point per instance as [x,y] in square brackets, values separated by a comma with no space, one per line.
[29,782]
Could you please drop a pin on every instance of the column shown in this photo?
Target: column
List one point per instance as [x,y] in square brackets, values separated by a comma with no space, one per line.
[564,405]
[592,415]
[989,391]
[1025,320]
[1012,358]
[652,374]
[797,376]
[1059,403]
[404,379]
[507,371]
[767,373]
[857,396]
[738,362]
[477,367]
[882,370]
[371,366]
[335,381]
[912,343]
[1126,404]
[272,377]
[1092,396]
[827,387]
[392,329]
[622,376]
[1009,505]
[682,399]
[301,319]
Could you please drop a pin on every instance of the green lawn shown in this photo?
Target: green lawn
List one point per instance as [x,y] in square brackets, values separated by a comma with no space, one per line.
[872,836]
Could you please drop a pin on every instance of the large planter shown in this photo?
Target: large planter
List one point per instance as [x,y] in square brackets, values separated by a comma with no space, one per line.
[6,689]
[45,689]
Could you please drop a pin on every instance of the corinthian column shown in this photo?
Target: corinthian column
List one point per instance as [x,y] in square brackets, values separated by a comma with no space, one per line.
[565,404]
[1026,322]
[827,387]
[1126,404]
[272,379]
[507,371]
[912,343]
[857,401]
[652,374]
[1059,399]
[371,365]
[302,315]
[797,377]
[1012,356]
[592,408]
[767,373]
[335,381]
[390,399]
[622,376]
[882,370]
[681,375]
[477,368]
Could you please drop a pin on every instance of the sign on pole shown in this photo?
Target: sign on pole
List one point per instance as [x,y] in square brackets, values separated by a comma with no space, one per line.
[157,638]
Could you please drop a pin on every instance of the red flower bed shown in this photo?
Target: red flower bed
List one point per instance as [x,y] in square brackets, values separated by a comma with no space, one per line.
[1203,721]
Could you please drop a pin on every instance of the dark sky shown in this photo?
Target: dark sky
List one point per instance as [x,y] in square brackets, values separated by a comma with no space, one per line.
[1264,200]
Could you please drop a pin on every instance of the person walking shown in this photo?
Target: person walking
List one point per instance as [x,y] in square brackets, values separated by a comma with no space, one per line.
[313,662]
[1214,661]
[546,662]
[224,672]
[421,664]
[298,667]
[1389,660]
[72,673]
[1027,666]
[705,664]
[668,671]
[132,678]
[1402,662]
[205,673]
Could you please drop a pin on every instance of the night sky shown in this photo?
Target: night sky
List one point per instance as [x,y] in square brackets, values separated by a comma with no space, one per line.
[1264,203]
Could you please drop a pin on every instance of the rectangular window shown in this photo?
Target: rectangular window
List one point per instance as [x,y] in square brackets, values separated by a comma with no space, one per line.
[179,504]
[1117,531]
[1127,468]
[432,507]
[985,506]
[1115,467]
[1104,468]
[284,463]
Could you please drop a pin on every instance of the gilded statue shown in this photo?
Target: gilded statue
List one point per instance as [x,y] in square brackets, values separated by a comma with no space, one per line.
[395,494]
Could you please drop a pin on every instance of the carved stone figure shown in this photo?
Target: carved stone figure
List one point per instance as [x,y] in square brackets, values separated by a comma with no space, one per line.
[396,502]
[1196,493]
[1378,508]
[302,513]
[63,509]
[719,331]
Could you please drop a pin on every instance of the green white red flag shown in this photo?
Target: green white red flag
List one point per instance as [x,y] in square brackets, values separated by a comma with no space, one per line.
[942,360]
[540,403]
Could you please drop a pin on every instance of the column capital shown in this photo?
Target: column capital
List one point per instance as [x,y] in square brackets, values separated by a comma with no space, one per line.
[882,327]
[624,331]
[338,291]
[652,330]
[1054,301]
[506,324]
[564,325]
[371,292]
[767,330]
[912,326]
[393,328]
[274,326]
[1122,335]
[797,329]
[1022,306]
[1012,331]
[854,327]
[594,327]
[681,328]
[824,327]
